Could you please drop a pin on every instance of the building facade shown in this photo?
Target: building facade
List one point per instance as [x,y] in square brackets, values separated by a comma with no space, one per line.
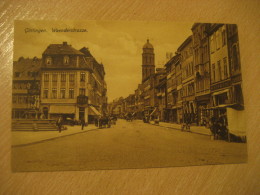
[26,88]
[160,90]
[71,86]
[187,77]
[201,70]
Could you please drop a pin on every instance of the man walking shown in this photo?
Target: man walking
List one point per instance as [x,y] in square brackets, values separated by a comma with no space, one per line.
[83,123]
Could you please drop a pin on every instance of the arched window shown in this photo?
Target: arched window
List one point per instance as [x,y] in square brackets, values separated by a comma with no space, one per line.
[48,60]
[66,60]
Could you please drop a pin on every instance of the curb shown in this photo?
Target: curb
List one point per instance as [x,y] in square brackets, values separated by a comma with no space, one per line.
[180,130]
[53,138]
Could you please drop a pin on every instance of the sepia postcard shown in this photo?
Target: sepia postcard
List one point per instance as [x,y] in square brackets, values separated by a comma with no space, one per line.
[92,95]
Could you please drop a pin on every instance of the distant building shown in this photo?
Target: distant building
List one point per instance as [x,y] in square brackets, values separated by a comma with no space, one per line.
[72,83]
[26,88]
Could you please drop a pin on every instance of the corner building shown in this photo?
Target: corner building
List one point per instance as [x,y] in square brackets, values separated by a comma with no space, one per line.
[66,83]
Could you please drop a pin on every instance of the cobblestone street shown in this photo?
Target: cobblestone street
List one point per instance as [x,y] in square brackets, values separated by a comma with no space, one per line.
[126,145]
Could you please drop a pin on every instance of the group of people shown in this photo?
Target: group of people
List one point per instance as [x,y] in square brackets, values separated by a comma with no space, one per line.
[218,126]
[60,123]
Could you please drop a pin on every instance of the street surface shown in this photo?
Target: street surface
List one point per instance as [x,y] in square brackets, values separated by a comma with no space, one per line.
[126,145]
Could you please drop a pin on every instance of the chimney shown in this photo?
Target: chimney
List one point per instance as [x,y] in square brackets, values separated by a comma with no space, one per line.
[65,43]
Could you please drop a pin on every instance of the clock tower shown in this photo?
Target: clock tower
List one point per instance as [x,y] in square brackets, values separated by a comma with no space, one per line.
[148,67]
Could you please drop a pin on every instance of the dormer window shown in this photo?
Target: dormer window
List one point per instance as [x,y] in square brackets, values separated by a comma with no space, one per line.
[48,60]
[66,60]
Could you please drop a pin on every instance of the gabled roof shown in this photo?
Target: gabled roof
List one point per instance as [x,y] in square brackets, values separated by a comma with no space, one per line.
[61,49]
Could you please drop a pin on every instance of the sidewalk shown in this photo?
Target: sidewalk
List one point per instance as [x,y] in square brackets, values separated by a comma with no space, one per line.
[194,129]
[20,138]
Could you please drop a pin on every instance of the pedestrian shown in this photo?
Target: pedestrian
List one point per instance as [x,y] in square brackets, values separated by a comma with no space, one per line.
[188,121]
[223,126]
[184,121]
[82,123]
[59,123]
[213,126]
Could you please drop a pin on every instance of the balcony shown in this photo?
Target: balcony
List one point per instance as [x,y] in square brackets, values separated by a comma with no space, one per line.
[82,100]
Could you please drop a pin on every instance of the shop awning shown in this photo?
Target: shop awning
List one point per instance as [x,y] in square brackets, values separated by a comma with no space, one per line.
[93,111]
[58,109]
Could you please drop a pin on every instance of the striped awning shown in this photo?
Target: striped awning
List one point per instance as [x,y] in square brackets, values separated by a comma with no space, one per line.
[93,111]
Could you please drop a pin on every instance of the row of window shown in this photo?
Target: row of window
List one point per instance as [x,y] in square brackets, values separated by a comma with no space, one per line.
[63,77]
[188,70]
[54,93]
[188,90]
[220,70]
[186,53]
[201,55]
[21,99]
[49,60]
[29,74]
[218,39]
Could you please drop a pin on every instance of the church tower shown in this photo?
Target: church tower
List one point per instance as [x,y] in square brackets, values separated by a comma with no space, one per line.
[148,67]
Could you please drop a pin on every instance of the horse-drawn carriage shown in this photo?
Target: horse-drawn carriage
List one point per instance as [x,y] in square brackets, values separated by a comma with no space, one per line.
[105,121]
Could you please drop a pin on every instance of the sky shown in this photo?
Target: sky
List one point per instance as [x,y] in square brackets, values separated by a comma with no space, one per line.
[117,44]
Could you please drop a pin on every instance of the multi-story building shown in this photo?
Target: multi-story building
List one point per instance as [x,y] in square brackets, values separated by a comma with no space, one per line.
[72,83]
[220,66]
[97,86]
[202,73]
[178,73]
[130,104]
[160,90]
[235,65]
[117,107]
[26,88]
[171,108]
[187,68]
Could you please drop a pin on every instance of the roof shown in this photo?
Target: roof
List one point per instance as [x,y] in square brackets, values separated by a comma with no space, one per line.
[174,60]
[148,45]
[86,51]
[25,65]
[186,42]
[64,49]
